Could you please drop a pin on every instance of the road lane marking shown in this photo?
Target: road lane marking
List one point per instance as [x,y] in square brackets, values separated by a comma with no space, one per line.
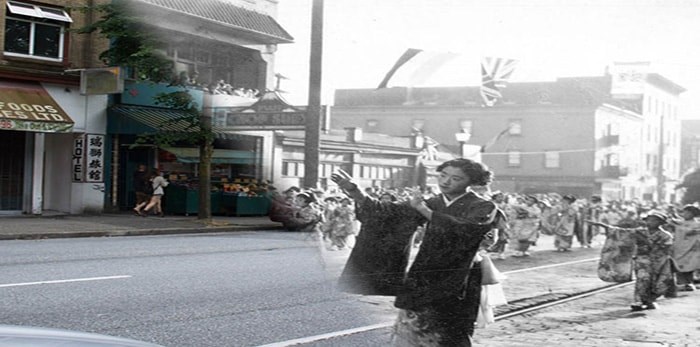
[64,281]
[334,334]
[310,339]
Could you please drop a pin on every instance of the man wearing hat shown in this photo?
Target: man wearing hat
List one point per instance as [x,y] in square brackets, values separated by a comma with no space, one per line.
[686,246]
[652,260]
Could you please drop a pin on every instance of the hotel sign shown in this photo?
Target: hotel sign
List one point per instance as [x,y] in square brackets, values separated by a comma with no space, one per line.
[87,164]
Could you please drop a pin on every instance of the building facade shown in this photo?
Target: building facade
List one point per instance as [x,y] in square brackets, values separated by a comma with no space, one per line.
[690,145]
[579,136]
[223,55]
[44,116]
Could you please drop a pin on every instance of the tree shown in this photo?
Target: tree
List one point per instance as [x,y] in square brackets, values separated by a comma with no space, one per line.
[691,183]
[133,45]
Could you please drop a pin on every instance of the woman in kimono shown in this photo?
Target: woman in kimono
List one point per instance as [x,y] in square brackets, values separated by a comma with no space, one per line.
[439,296]
[526,224]
[686,246]
[562,222]
[342,224]
[652,260]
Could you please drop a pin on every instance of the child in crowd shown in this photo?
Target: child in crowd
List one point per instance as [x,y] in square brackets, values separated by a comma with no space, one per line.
[342,225]
[652,260]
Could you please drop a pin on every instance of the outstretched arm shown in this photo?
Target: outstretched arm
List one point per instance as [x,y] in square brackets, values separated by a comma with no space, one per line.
[418,204]
[345,182]
[592,222]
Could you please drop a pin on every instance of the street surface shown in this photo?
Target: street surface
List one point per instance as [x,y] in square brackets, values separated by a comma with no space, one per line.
[235,289]
[271,288]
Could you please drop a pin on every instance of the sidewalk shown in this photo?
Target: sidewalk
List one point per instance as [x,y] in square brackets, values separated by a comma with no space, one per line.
[54,225]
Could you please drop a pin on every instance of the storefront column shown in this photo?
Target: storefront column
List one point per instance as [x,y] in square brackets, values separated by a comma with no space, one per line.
[38,173]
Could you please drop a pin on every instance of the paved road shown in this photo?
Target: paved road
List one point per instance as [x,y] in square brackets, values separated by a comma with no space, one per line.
[214,289]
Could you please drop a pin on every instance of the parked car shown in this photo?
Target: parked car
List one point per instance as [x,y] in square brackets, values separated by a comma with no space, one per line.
[13,336]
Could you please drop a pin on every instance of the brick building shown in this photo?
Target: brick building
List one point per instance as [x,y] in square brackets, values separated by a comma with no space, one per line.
[43,112]
[581,136]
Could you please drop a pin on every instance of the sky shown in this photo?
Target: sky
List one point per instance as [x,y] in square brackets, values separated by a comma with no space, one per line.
[549,38]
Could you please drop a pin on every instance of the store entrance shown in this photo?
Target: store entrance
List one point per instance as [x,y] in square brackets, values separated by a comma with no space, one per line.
[12,170]
[130,159]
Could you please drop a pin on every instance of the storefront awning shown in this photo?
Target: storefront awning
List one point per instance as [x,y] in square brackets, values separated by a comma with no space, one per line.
[27,106]
[220,156]
[137,120]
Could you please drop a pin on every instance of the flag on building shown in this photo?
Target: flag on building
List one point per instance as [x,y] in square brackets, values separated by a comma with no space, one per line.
[492,141]
[416,66]
[495,72]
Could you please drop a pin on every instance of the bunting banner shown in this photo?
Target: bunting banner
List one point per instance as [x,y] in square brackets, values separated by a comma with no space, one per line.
[495,72]
[416,66]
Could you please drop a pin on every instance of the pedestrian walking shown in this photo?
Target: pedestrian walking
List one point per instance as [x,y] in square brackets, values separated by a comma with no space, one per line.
[526,224]
[342,225]
[653,265]
[439,296]
[563,221]
[686,246]
[142,188]
[158,182]
[501,224]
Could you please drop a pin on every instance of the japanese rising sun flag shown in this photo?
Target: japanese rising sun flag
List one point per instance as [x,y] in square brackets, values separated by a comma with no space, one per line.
[415,66]
[495,72]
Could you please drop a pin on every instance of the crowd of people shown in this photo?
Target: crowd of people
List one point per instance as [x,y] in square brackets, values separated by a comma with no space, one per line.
[666,255]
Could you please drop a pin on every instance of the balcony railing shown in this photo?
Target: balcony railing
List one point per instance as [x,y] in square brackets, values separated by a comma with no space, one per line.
[609,140]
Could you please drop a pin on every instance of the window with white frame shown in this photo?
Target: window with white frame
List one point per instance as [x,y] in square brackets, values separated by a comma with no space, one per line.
[515,127]
[35,31]
[551,159]
[514,158]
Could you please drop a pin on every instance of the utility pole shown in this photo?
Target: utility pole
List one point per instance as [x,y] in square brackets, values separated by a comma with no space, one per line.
[312,137]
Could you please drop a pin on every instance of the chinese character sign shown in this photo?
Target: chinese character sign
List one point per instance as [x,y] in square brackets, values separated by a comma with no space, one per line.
[94,158]
[77,166]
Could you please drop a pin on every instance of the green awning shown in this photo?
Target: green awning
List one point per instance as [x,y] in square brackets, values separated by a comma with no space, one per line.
[220,156]
[137,120]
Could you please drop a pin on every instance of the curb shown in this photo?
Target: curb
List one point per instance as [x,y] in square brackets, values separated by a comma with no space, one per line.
[138,232]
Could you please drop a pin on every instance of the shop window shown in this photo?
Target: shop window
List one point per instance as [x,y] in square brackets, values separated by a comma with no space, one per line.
[35,31]
[515,127]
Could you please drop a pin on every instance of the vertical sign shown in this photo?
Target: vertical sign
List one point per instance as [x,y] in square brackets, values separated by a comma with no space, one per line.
[94,158]
[77,163]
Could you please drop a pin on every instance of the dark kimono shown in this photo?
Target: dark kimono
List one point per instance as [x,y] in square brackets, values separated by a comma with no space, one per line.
[441,293]
[378,261]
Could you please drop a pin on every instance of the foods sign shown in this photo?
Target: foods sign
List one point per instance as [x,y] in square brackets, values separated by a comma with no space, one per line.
[28,107]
